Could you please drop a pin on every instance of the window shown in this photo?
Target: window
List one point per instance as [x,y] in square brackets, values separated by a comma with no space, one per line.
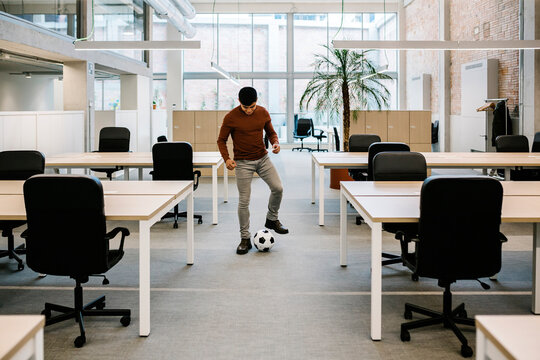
[107,94]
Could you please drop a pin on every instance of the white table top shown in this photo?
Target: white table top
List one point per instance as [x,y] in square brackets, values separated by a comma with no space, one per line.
[16,330]
[134,159]
[516,336]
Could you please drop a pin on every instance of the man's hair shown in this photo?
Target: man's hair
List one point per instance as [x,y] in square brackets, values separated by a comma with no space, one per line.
[247,95]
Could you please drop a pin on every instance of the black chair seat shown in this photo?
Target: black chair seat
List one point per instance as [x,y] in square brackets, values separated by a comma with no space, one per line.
[11,224]
[303,130]
[113,139]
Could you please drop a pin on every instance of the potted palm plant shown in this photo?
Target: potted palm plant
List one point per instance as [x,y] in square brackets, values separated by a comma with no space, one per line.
[342,80]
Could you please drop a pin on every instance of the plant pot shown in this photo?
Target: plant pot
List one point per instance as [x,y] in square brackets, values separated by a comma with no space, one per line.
[154,106]
[337,175]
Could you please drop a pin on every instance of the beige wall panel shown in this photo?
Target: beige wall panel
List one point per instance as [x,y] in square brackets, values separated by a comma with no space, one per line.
[184,126]
[205,127]
[358,126]
[420,147]
[398,126]
[420,127]
[377,123]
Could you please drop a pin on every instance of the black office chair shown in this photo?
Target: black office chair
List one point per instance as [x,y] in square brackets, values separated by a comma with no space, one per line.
[400,166]
[162,138]
[336,139]
[435,132]
[17,165]
[174,161]
[67,236]
[361,143]
[113,139]
[319,136]
[459,239]
[516,143]
[302,131]
[536,143]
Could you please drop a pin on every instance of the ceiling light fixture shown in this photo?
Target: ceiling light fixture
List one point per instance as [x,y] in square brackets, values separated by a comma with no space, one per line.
[223,72]
[137,45]
[437,44]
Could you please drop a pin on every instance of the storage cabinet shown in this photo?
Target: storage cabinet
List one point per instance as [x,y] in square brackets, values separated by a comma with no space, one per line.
[398,126]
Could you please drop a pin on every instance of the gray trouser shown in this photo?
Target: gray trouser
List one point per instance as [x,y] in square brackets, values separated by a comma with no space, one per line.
[244,175]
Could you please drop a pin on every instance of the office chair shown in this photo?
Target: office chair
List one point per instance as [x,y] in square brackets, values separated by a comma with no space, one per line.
[302,131]
[162,138]
[336,139]
[400,166]
[319,136]
[59,241]
[458,239]
[536,143]
[516,143]
[113,139]
[361,143]
[18,165]
[174,161]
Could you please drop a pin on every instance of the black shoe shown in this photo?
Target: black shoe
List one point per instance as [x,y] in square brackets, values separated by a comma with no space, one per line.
[276,226]
[243,247]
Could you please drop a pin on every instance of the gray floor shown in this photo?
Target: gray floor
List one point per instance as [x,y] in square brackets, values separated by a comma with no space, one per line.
[294,302]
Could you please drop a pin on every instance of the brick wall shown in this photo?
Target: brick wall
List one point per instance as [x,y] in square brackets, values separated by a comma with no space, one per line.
[485,20]
[469,20]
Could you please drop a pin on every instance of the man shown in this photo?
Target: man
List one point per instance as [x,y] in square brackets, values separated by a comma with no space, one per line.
[245,124]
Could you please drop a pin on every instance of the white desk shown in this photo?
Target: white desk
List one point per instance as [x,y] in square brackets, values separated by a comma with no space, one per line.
[434,160]
[140,160]
[21,337]
[399,202]
[142,201]
[512,337]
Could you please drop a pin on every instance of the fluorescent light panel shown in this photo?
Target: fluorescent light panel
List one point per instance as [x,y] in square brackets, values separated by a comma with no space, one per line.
[137,45]
[223,72]
[437,45]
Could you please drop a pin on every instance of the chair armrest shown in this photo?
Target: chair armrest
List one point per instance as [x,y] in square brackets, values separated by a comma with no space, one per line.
[197,175]
[502,237]
[112,234]
[24,234]
[321,131]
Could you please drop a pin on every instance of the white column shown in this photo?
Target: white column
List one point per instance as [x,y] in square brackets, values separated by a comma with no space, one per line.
[530,97]
[444,77]
[402,59]
[136,94]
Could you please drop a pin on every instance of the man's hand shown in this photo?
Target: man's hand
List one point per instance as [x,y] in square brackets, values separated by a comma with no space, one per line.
[275,148]
[230,164]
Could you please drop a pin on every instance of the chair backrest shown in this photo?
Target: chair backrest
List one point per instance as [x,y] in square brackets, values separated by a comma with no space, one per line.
[303,127]
[361,142]
[162,138]
[172,161]
[66,225]
[399,166]
[459,226]
[21,164]
[512,143]
[378,147]
[336,139]
[536,143]
[435,132]
[114,139]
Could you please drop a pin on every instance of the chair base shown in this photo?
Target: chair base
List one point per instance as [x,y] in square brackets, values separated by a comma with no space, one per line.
[392,259]
[175,214]
[12,252]
[79,311]
[449,318]
[302,148]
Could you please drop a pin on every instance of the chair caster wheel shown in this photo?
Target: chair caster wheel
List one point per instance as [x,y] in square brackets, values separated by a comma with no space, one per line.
[405,336]
[79,341]
[175,226]
[414,277]
[20,267]
[199,222]
[47,313]
[408,314]
[358,221]
[125,320]
[466,351]
[100,306]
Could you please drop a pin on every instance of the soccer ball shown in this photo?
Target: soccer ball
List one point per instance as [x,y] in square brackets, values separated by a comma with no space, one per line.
[263,240]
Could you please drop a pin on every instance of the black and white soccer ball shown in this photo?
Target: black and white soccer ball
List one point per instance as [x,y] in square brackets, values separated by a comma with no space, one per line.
[263,240]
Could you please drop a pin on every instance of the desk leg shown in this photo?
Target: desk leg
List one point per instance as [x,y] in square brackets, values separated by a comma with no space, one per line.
[376,281]
[480,345]
[68,171]
[214,195]
[190,256]
[38,346]
[144,278]
[507,174]
[126,173]
[140,174]
[342,230]
[312,180]
[321,195]
[225,184]
[536,270]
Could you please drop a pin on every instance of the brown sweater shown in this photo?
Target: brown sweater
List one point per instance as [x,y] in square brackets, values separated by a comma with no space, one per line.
[247,134]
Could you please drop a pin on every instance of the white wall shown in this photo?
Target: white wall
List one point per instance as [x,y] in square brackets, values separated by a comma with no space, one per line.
[20,94]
